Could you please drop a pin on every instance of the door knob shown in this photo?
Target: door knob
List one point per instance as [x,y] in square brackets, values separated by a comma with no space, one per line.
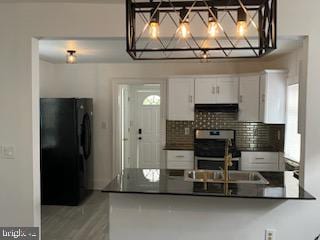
[140,138]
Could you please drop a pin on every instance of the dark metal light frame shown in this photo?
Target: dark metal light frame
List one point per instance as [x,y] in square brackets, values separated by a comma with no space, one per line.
[265,11]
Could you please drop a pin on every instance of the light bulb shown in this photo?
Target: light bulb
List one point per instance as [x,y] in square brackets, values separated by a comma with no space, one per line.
[213,28]
[241,28]
[184,30]
[71,57]
[242,22]
[154,30]
[204,55]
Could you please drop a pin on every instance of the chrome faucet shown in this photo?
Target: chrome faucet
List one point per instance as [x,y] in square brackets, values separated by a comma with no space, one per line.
[227,160]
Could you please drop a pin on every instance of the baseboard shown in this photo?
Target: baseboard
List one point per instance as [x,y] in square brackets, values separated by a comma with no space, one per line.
[99,184]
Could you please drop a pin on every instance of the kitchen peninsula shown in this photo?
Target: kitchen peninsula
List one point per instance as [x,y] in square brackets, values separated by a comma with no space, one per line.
[144,201]
[280,185]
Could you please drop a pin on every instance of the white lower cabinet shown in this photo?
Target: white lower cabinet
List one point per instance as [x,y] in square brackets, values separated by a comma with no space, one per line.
[177,159]
[260,161]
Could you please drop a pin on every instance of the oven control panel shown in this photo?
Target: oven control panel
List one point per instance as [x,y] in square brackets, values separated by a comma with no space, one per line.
[215,134]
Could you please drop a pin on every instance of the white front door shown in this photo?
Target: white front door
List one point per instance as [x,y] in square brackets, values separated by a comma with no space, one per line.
[146,127]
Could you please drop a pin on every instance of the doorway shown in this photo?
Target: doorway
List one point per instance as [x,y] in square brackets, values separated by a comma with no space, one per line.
[140,126]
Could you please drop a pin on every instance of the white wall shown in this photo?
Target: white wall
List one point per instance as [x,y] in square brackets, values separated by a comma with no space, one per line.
[18,90]
[95,81]
[205,218]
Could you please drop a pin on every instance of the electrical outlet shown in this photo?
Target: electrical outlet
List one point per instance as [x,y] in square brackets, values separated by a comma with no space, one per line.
[270,234]
[186,131]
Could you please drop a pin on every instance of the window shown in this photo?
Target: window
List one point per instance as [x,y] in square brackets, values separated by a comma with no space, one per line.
[292,137]
[152,100]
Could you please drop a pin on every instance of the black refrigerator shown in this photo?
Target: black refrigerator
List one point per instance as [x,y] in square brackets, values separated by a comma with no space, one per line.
[66,150]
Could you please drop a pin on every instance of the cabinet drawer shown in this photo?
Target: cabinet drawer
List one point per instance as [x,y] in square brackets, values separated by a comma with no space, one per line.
[260,157]
[180,156]
[180,165]
[260,167]
[260,161]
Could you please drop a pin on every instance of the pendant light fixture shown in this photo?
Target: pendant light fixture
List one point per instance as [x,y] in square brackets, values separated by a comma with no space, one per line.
[200,29]
[71,57]
[213,26]
[154,27]
[242,22]
[184,27]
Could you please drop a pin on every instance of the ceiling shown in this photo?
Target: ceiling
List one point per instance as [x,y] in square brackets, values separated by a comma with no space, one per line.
[113,50]
[88,50]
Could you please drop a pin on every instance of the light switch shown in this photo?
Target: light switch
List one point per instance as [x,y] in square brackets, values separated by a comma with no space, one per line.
[8,152]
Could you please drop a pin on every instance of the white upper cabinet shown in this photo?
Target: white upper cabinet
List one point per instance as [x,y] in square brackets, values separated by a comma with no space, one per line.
[181,99]
[205,90]
[249,98]
[273,86]
[227,89]
[216,90]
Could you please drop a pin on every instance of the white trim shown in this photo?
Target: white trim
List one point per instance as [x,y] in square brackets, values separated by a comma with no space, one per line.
[35,82]
[116,83]
[278,71]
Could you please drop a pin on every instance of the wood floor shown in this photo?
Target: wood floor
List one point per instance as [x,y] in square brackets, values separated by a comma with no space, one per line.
[86,222]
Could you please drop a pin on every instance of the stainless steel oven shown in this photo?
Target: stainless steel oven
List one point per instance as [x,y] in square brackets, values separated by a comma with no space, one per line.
[209,146]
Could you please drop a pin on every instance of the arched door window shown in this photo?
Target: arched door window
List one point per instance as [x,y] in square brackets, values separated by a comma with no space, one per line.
[151,100]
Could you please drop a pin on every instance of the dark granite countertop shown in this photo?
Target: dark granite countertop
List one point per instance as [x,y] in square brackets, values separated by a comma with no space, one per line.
[282,185]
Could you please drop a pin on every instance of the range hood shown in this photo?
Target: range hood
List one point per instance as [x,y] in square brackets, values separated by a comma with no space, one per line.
[228,108]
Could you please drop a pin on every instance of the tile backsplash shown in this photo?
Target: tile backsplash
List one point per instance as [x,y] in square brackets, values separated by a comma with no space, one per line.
[175,134]
[250,136]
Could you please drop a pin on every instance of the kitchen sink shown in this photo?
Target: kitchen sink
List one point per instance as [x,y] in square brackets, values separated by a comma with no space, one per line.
[216,176]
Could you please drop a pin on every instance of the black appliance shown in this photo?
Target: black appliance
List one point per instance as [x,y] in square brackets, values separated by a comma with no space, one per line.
[66,150]
[209,149]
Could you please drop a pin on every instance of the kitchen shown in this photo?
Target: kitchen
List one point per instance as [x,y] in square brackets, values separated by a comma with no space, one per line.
[178,133]
[252,105]
[153,212]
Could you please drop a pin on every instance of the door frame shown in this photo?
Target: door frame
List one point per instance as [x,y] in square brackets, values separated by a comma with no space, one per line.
[117,165]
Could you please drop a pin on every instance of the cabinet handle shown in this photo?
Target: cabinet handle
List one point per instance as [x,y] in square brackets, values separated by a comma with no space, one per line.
[213,90]
[263,98]
[259,158]
[218,90]
[240,99]
[179,156]
[190,99]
